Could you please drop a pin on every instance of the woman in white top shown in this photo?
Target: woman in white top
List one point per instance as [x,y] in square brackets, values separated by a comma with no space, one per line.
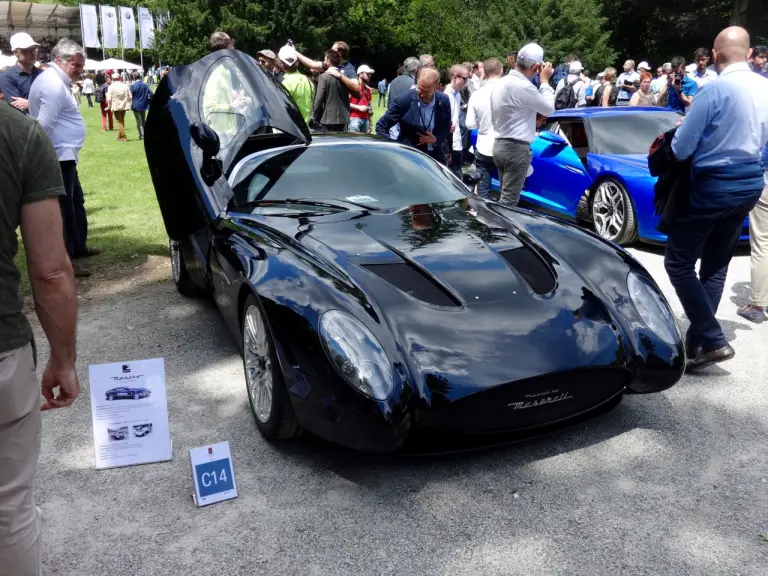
[89,90]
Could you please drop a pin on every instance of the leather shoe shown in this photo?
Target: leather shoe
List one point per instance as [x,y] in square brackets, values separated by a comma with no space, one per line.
[704,359]
[88,252]
[80,271]
[691,351]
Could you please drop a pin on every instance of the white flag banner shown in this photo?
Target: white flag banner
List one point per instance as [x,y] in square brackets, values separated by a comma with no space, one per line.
[146,28]
[109,27]
[162,20]
[127,27]
[89,21]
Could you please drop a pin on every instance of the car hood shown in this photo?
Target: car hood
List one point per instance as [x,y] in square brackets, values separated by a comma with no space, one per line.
[463,295]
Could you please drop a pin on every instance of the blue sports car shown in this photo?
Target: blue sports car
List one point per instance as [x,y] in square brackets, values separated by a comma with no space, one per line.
[591,165]
[132,393]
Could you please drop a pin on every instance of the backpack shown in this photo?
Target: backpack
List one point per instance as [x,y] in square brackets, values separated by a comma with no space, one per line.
[566,98]
[100,95]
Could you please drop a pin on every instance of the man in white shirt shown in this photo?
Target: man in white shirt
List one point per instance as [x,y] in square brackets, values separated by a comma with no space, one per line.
[52,104]
[701,74]
[478,77]
[661,81]
[579,85]
[515,102]
[459,79]
[479,116]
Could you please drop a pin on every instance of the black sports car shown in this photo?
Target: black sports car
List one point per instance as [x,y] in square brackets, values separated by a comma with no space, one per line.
[372,294]
[127,393]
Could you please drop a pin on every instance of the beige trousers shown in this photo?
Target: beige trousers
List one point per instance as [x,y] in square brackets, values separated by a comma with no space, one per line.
[758,245]
[20,427]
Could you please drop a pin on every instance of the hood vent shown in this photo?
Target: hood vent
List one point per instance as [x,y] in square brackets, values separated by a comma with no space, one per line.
[413,282]
[531,267]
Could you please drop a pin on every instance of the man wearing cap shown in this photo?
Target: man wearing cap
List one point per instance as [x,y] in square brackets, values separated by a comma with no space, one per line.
[16,81]
[644,67]
[627,83]
[360,103]
[299,86]
[52,104]
[575,80]
[515,102]
[268,61]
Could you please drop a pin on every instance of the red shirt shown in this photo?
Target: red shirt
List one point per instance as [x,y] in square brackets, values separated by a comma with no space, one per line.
[364,100]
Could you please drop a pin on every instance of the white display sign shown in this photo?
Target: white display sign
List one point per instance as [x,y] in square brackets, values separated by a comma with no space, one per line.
[109,26]
[127,27]
[213,474]
[129,409]
[146,28]
[89,22]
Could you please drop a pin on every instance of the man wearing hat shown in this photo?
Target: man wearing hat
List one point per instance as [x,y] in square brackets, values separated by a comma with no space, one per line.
[515,102]
[360,103]
[299,86]
[269,62]
[16,81]
[577,82]
[644,67]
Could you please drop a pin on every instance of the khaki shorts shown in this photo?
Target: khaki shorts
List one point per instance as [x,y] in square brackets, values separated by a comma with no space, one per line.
[20,427]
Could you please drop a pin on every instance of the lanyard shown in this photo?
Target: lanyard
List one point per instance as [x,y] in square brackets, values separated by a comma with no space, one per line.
[429,122]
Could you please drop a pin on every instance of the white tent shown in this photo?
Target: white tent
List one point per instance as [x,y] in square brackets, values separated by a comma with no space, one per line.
[93,65]
[117,64]
[7,60]
[39,19]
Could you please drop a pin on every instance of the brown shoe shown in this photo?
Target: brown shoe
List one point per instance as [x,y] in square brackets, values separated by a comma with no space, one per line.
[88,252]
[80,270]
[712,357]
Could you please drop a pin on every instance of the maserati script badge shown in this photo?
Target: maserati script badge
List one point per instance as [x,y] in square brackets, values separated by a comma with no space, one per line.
[550,398]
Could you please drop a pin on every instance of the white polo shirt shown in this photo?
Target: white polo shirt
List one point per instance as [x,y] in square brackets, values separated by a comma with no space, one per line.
[455,98]
[53,105]
[515,101]
[479,116]
[702,79]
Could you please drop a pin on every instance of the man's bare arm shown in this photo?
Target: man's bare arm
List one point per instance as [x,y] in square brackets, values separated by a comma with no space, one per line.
[352,84]
[55,294]
[309,63]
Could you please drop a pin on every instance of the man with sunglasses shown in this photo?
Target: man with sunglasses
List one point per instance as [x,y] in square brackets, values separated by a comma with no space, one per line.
[16,81]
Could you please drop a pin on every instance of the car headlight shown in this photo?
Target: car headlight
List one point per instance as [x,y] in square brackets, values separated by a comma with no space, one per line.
[356,354]
[653,309]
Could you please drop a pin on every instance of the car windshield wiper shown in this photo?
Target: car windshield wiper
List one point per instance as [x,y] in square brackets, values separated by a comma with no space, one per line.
[294,201]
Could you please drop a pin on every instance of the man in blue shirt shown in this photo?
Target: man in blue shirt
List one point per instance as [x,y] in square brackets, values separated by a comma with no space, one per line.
[383,91]
[141,95]
[723,134]
[679,89]
[16,81]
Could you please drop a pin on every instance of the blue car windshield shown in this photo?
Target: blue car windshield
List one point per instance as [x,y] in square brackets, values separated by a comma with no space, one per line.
[630,133]
[379,176]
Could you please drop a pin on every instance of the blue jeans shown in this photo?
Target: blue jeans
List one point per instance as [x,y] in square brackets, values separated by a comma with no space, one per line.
[711,235]
[486,167]
[358,125]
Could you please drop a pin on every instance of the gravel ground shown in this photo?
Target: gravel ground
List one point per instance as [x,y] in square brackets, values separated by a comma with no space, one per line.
[672,483]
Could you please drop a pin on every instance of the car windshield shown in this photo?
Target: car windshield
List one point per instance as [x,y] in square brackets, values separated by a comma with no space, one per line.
[382,177]
[630,133]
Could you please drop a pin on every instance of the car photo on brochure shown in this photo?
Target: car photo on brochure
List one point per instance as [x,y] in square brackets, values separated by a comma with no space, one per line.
[117,434]
[127,394]
[141,430]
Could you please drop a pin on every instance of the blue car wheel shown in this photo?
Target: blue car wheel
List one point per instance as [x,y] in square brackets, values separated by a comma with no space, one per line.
[613,213]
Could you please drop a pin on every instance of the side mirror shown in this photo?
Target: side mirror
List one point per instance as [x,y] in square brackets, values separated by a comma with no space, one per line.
[552,138]
[206,139]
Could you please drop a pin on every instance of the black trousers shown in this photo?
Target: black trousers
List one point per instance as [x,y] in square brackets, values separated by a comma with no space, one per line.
[90,102]
[382,98]
[72,207]
[711,235]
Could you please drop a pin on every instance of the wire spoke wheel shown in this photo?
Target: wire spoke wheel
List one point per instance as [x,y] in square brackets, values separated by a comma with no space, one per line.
[258,363]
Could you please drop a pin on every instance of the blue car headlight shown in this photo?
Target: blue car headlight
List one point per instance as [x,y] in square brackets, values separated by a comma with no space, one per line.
[356,354]
[653,309]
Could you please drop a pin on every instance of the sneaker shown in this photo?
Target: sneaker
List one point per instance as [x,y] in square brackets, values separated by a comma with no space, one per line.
[754,314]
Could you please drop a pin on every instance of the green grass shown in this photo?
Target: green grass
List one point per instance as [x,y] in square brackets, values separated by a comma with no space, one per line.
[123,216]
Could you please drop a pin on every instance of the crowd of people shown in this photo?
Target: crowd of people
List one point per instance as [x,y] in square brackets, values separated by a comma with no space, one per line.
[721,143]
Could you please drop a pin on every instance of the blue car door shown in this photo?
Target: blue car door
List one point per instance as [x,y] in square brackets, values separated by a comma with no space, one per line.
[559,177]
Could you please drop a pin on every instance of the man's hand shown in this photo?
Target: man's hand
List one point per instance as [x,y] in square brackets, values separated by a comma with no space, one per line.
[427,138]
[453,127]
[333,72]
[20,103]
[65,378]
[546,72]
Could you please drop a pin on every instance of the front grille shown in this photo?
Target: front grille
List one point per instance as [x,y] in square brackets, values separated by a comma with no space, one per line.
[530,403]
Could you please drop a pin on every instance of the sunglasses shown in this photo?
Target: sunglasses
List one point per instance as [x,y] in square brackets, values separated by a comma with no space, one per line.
[462,77]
